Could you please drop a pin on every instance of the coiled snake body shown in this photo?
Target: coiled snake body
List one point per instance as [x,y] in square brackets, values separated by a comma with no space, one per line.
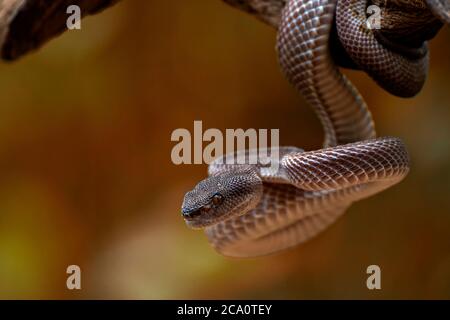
[250,210]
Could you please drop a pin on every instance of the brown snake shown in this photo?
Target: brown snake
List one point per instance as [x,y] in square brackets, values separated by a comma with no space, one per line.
[250,210]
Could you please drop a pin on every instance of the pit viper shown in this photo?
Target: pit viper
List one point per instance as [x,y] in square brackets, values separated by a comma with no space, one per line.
[250,210]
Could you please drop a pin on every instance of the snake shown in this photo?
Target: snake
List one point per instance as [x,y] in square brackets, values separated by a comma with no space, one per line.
[250,210]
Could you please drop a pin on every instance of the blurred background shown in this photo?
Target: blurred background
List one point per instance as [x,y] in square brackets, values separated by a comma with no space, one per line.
[86,176]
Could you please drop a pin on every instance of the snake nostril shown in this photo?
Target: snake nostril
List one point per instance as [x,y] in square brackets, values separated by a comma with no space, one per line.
[190,214]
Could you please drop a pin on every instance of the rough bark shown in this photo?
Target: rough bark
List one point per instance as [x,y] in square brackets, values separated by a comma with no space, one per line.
[268,11]
[408,22]
[25,25]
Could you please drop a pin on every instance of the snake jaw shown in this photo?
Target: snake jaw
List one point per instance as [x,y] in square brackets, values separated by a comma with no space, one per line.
[189,214]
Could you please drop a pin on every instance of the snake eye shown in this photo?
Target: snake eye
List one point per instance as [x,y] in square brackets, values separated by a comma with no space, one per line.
[217,199]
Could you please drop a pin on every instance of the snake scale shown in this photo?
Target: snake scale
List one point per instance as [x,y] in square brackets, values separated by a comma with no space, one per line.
[250,210]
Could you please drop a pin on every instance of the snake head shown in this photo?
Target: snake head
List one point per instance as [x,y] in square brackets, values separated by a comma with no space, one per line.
[223,195]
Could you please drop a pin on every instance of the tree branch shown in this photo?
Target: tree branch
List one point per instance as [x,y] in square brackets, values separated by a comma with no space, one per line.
[268,11]
[405,24]
[26,25]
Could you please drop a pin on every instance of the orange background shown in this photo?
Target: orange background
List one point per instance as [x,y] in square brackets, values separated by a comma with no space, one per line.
[87,179]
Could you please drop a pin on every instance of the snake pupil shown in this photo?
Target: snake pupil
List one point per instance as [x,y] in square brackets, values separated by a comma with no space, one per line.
[217,199]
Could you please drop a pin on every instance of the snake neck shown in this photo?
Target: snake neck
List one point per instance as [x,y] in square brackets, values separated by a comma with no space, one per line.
[304,56]
[394,54]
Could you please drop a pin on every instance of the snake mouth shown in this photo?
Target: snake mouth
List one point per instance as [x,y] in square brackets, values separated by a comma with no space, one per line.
[200,218]
[193,221]
[190,214]
[195,218]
